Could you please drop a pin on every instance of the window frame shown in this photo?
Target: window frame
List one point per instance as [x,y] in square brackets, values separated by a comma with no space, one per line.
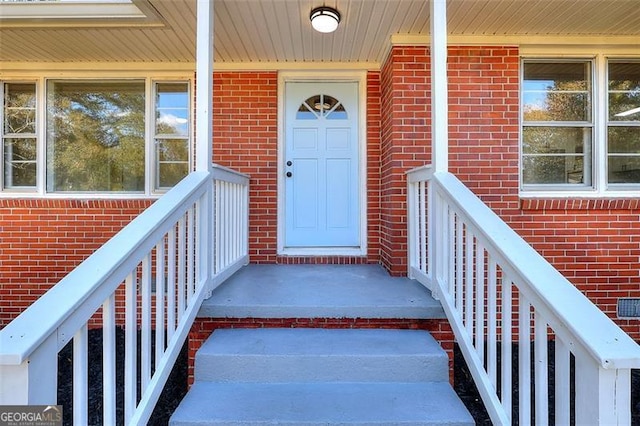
[599,188]
[4,136]
[151,80]
[588,164]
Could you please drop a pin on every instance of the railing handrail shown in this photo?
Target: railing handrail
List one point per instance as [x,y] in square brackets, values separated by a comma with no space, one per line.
[229,175]
[607,343]
[74,302]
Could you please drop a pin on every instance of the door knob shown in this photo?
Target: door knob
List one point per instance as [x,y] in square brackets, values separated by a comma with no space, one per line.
[289,174]
[289,163]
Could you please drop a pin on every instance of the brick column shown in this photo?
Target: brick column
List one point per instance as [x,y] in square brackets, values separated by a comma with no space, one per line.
[406,143]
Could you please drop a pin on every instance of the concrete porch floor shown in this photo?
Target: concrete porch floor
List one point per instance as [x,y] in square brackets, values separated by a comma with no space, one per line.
[320,291]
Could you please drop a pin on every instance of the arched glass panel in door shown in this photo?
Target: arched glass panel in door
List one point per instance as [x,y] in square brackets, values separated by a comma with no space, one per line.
[321,106]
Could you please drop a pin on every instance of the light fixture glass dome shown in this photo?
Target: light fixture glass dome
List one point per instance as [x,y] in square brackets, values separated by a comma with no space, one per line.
[324,19]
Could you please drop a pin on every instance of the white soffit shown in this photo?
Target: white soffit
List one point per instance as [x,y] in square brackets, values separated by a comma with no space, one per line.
[276,34]
[77,13]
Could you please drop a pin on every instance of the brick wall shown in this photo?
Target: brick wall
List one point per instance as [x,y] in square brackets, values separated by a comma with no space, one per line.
[245,134]
[594,243]
[245,124]
[405,127]
[43,240]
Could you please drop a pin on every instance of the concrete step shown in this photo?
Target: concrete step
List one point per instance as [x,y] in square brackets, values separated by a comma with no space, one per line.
[308,376]
[321,355]
[211,403]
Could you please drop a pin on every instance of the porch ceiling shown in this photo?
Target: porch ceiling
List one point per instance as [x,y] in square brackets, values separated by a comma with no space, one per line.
[261,32]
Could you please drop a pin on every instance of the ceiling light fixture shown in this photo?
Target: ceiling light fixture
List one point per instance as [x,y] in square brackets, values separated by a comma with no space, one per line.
[324,19]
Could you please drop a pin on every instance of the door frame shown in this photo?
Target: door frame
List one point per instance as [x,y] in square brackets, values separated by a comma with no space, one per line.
[359,77]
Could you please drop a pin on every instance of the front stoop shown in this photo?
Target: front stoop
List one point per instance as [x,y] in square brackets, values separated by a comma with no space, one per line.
[321,377]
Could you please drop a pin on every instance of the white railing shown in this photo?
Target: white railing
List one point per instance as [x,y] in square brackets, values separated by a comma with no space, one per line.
[150,279]
[231,229]
[573,363]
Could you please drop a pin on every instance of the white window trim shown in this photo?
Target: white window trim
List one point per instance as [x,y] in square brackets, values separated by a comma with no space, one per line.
[599,188]
[150,79]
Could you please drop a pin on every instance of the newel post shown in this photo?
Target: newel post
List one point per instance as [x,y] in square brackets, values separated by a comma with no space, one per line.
[204,135]
[35,380]
[603,396]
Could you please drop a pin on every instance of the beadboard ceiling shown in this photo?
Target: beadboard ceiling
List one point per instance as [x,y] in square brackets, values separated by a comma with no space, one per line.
[277,31]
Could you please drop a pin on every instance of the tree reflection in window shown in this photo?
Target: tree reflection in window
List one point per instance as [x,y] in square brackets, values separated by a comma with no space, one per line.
[324,106]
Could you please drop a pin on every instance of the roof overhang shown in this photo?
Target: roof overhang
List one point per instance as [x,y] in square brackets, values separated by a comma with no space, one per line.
[77,13]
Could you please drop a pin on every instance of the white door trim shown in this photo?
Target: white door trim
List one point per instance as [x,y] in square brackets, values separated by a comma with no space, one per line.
[339,76]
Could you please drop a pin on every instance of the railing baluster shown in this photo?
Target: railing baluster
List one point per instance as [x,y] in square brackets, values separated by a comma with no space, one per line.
[81,376]
[190,254]
[444,240]
[492,323]
[480,324]
[130,347]
[109,360]
[160,300]
[541,363]
[468,286]
[171,282]
[229,219]
[562,383]
[505,361]
[145,329]
[196,245]
[422,229]
[236,223]
[451,251]
[459,265]
[218,227]
[245,228]
[182,263]
[524,360]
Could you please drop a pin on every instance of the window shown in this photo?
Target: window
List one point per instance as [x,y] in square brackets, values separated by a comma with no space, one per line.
[19,136]
[171,133]
[571,142]
[623,125]
[557,127]
[124,136]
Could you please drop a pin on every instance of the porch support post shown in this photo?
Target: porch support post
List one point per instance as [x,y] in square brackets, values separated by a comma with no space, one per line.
[439,91]
[204,85]
[204,139]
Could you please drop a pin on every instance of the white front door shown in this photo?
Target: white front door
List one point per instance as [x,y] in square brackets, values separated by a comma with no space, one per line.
[322,202]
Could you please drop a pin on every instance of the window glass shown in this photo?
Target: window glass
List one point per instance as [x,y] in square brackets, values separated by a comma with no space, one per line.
[172,133]
[19,135]
[324,106]
[623,131]
[95,136]
[557,91]
[557,130]
[554,155]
